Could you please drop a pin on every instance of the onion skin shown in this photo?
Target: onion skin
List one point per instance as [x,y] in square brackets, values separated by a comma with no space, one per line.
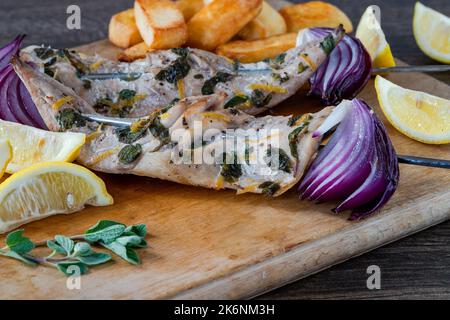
[346,71]
[16,104]
[358,167]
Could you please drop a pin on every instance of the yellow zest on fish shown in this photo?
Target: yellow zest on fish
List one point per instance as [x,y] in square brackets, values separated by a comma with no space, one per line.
[269,88]
[216,115]
[181,91]
[302,119]
[219,182]
[247,189]
[94,135]
[60,102]
[309,61]
[102,156]
[138,125]
[96,65]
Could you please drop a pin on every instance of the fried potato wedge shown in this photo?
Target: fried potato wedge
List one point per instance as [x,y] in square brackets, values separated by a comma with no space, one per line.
[160,23]
[138,51]
[268,23]
[314,14]
[257,50]
[123,31]
[220,21]
[189,7]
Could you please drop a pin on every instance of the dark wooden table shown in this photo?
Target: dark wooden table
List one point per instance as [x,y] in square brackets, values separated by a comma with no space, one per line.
[417,267]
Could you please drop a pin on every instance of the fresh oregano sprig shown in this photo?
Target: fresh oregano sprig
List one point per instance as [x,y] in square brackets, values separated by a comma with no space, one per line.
[77,250]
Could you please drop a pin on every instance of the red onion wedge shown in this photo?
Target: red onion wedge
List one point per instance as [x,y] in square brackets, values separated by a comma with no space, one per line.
[358,167]
[346,71]
[16,104]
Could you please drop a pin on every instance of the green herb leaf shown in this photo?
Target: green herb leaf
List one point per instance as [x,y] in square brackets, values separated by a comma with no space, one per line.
[231,171]
[18,243]
[95,258]
[129,241]
[68,118]
[127,94]
[82,249]
[72,268]
[17,256]
[210,85]
[301,67]
[44,53]
[182,52]
[259,100]
[279,159]
[269,188]
[328,44]
[235,101]
[140,230]
[125,135]
[66,243]
[178,70]
[125,253]
[105,231]
[130,153]
[55,247]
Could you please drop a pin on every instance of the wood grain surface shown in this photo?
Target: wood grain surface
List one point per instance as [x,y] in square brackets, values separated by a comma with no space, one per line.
[412,268]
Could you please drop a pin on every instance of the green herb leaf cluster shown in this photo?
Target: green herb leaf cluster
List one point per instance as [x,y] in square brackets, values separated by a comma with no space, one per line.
[77,251]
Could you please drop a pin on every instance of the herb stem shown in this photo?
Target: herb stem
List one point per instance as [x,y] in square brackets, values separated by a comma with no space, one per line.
[44,242]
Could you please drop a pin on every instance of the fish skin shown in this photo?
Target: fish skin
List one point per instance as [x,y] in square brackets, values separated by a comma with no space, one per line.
[203,64]
[157,158]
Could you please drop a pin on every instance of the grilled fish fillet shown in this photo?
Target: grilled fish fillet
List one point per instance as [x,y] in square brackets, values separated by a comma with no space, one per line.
[194,141]
[137,89]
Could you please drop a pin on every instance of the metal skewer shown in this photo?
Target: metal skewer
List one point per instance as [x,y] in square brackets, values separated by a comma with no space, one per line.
[435,68]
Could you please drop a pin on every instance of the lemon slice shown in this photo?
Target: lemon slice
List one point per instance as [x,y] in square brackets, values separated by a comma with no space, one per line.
[372,37]
[31,145]
[418,115]
[47,189]
[5,155]
[432,33]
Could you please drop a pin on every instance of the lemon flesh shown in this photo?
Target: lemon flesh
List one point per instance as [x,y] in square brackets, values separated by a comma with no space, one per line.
[432,33]
[372,37]
[47,189]
[418,115]
[31,145]
[5,155]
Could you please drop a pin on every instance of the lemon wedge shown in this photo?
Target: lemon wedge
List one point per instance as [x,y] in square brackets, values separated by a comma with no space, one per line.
[47,189]
[432,33]
[418,115]
[372,37]
[5,155]
[31,145]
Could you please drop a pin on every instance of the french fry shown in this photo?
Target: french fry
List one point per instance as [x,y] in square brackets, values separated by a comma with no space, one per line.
[257,50]
[138,51]
[268,23]
[189,7]
[123,31]
[220,21]
[314,14]
[160,23]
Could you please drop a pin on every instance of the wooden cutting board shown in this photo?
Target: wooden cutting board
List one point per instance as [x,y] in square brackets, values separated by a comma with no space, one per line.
[213,244]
